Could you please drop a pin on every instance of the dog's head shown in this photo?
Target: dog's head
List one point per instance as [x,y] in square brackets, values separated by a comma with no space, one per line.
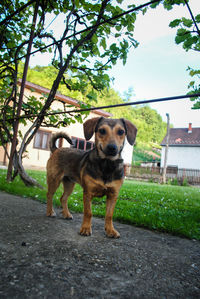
[110,135]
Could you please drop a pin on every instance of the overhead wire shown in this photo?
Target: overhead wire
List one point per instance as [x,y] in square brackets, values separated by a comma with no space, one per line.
[109,106]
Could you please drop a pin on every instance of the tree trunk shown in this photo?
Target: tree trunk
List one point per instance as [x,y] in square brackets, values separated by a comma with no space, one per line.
[20,102]
[28,181]
[19,169]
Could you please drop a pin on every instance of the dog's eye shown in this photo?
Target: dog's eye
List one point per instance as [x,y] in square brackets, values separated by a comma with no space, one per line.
[102,131]
[120,132]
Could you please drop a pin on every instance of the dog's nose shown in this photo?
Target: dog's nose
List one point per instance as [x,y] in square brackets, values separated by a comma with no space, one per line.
[111,150]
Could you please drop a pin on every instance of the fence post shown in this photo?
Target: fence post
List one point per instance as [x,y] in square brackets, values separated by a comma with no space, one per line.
[166,151]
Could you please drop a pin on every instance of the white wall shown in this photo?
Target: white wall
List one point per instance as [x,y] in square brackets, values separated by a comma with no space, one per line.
[127,153]
[183,157]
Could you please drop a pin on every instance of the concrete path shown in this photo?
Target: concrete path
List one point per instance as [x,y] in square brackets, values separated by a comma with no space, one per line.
[42,257]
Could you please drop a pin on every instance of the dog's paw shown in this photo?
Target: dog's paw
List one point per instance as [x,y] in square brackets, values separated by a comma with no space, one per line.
[51,213]
[67,216]
[85,231]
[112,233]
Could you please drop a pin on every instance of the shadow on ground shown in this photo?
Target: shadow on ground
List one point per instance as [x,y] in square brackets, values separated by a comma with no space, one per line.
[46,258]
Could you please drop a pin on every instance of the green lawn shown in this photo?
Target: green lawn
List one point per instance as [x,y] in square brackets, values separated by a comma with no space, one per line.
[167,208]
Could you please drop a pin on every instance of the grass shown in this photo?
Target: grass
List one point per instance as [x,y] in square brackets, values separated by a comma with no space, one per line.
[167,208]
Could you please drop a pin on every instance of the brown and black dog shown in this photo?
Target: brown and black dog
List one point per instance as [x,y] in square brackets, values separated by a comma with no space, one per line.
[99,171]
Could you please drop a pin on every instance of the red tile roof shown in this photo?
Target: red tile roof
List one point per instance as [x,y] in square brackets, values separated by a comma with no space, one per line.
[181,137]
[62,97]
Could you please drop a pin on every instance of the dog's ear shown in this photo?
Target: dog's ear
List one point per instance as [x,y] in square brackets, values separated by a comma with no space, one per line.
[131,130]
[89,126]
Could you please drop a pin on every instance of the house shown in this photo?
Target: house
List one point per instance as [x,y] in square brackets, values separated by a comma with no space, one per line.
[38,150]
[184,148]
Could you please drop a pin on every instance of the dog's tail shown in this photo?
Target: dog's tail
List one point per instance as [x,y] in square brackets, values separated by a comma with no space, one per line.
[55,137]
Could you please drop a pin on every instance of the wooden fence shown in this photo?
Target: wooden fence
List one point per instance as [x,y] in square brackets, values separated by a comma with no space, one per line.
[151,173]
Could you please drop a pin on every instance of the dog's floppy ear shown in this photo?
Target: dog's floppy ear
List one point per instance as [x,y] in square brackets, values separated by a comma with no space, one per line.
[131,130]
[89,127]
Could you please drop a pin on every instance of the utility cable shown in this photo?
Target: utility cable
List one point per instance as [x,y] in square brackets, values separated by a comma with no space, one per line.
[110,106]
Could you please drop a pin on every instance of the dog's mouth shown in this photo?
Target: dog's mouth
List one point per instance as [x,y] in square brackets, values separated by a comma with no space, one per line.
[111,150]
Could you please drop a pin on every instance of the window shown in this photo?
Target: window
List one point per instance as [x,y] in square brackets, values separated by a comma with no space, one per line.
[82,144]
[41,140]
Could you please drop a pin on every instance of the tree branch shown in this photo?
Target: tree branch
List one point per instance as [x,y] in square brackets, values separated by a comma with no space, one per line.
[192,17]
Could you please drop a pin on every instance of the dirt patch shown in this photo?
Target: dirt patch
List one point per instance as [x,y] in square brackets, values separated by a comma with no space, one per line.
[46,258]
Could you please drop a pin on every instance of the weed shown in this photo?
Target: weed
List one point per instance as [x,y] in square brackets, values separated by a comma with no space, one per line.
[185,182]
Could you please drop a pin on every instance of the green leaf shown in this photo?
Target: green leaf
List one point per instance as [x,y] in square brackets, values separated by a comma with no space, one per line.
[118,27]
[92,96]
[189,42]
[133,42]
[191,84]
[174,23]
[168,6]
[103,43]
[76,2]
[144,10]
[154,5]
[182,35]
[95,39]
[187,22]
[197,18]
[85,54]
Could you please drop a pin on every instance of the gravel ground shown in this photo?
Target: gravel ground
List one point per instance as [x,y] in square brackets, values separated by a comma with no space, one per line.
[46,258]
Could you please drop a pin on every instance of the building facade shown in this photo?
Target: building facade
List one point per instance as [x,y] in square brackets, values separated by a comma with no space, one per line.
[183,148]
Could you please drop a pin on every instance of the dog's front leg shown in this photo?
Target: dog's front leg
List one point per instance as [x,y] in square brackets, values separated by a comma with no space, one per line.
[86,229]
[111,232]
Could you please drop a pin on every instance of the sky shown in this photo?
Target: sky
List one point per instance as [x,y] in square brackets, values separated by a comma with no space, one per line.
[157,67]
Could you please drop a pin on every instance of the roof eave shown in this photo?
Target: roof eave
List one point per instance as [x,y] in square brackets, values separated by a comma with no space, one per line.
[61,97]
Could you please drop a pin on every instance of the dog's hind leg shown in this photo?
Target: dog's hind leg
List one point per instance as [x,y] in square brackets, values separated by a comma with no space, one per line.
[53,183]
[68,188]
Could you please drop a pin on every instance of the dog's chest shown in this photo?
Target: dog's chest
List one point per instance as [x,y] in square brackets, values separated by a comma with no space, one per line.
[97,188]
[105,170]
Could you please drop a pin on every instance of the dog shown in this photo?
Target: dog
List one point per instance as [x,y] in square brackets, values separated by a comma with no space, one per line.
[99,171]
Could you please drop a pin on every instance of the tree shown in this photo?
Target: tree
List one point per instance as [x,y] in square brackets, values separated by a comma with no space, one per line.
[154,129]
[93,38]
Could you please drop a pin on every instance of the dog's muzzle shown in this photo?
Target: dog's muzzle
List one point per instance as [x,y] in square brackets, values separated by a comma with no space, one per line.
[111,150]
